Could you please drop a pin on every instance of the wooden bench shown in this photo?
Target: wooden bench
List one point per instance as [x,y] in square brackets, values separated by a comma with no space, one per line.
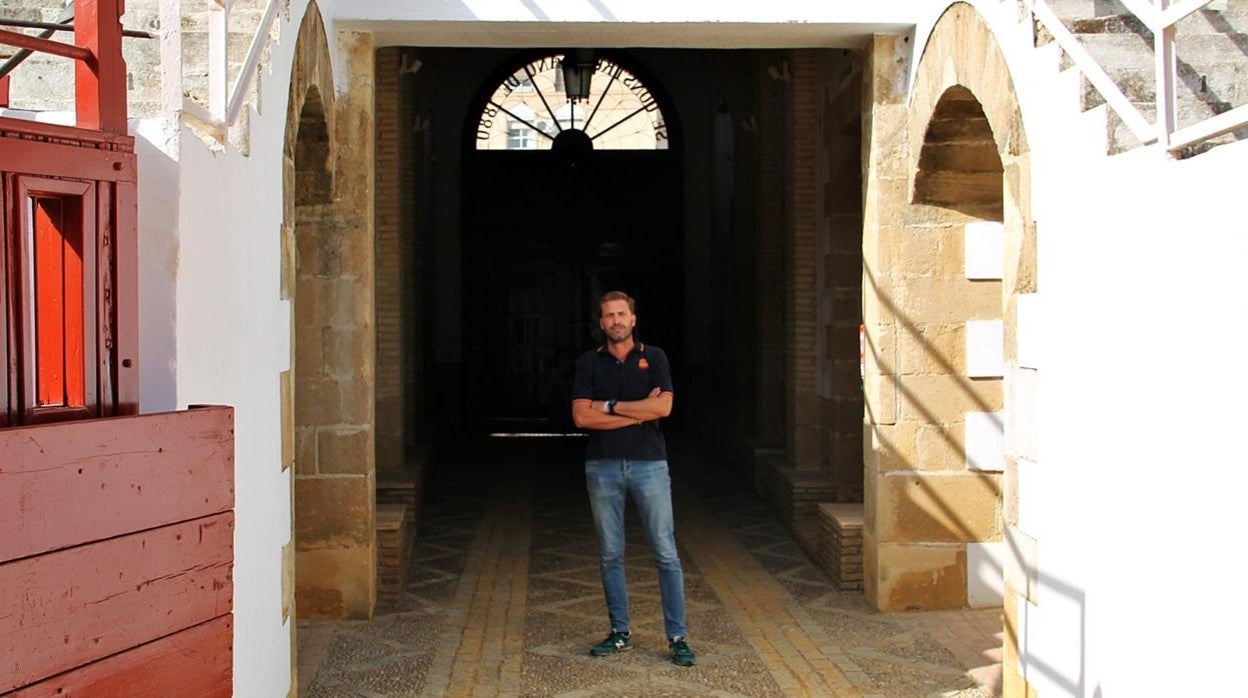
[841,553]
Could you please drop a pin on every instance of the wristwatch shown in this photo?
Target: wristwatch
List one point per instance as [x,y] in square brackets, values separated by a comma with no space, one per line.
[610,406]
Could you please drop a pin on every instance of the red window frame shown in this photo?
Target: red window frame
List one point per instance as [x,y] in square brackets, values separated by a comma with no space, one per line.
[58,365]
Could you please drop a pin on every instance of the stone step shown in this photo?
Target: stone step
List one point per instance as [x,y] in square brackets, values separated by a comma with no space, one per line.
[244,19]
[195,61]
[1216,93]
[1209,47]
[1121,138]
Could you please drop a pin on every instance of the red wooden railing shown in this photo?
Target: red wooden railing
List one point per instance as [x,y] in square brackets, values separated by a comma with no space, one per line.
[116,556]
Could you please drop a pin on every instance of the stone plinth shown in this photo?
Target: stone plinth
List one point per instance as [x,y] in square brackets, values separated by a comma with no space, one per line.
[841,551]
[394,549]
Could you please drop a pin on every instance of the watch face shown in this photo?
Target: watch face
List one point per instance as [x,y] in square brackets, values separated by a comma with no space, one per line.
[532,110]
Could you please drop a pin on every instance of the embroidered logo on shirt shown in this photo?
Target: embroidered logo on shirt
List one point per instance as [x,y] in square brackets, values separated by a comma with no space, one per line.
[642,363]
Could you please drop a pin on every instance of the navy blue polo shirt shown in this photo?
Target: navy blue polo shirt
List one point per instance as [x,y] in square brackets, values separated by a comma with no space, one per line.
[601,376]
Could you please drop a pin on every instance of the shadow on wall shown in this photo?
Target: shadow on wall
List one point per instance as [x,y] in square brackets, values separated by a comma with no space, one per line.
[947,521]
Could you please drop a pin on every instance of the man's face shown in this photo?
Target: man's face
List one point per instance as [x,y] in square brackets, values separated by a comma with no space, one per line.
[617,321]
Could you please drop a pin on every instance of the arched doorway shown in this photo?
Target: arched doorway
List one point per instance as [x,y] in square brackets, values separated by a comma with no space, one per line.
[565,197]
[943,277]
[327,401]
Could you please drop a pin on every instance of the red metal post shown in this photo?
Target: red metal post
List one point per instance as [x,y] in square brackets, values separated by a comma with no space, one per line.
[34,43]
[4,92]
[100,81]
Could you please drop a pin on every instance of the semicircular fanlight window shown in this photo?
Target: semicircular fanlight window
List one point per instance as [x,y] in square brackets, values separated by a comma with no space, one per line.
[531,107]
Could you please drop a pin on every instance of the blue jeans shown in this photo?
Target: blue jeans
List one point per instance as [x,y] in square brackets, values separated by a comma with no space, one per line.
[609,481]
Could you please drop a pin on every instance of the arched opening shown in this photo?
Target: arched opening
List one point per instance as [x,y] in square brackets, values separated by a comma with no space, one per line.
[959,167]
[944,280]
[313,179]
[564,198]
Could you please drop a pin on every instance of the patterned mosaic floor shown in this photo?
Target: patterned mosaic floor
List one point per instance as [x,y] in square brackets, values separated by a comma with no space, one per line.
[504,599]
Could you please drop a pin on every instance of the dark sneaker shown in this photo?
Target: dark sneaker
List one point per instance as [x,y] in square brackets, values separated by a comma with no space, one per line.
[615,643]
[681,654]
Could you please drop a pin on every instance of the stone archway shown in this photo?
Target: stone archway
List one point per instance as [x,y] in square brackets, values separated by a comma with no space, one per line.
[328,422]
[947,254]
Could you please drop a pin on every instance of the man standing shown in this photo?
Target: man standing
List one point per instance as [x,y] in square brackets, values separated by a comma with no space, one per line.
[621,391]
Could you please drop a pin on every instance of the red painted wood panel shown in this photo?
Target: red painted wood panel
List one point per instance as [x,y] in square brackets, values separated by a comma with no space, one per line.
[7,349]
[50,300]
[64,609]
[125,298]
[58,160]
[61,132]
[69,483]
[196,662]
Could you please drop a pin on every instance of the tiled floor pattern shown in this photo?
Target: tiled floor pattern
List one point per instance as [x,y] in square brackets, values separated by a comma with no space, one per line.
[504,599]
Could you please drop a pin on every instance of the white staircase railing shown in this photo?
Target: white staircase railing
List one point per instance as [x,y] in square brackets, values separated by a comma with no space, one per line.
[226,103]
[1160,18]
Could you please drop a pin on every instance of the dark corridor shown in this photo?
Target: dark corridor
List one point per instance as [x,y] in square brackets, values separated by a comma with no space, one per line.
[545,235]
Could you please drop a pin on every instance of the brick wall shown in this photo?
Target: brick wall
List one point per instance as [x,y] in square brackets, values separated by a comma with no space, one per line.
[840,274]
[389,203]
[801,262]
[769,289]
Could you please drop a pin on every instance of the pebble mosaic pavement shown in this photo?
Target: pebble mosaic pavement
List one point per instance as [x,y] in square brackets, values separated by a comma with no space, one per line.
[504,599]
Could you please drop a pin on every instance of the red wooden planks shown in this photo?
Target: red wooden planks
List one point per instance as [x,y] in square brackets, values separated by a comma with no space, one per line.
[69,483]
[64,609]
[195,662]
[60,160]
[70,134]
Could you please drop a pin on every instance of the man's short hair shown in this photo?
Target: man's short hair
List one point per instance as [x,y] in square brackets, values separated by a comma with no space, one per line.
[617,296]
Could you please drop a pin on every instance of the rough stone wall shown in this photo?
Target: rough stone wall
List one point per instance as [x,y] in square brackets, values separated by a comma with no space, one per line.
[328,271]
[947,193]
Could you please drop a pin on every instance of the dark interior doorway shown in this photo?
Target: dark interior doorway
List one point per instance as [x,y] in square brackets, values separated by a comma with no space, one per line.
[545,233]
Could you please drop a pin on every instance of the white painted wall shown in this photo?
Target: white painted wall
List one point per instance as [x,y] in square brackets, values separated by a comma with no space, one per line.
[1137,330]
[1139,485]
[233,341]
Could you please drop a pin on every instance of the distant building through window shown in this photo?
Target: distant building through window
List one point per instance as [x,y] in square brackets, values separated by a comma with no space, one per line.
[519,136]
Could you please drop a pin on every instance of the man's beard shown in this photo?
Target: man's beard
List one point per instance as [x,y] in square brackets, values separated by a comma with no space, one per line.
[628,334]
